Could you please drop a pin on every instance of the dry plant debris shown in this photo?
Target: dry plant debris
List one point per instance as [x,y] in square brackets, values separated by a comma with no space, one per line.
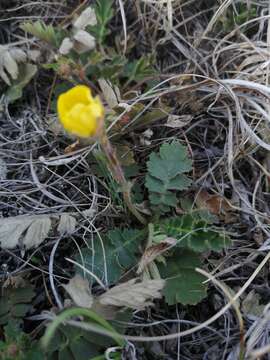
[185,86]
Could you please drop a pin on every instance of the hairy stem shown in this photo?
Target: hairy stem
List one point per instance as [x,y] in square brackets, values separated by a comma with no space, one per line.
[118,175]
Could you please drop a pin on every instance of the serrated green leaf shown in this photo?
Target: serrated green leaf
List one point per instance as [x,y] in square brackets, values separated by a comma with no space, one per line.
[183,284]
[163,199]
[171,161]
[166,174]
[193,233]
[120,247]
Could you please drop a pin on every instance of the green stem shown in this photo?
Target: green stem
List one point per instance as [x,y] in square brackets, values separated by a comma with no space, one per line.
[153,270]
[118,174]
[66,314]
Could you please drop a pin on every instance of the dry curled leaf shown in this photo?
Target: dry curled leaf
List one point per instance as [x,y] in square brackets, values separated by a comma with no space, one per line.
[152,252]
[110,92]
[9,59]
[79,291]
[26,73]
[67,224]
[133,294]
[18,54]
[86,18]
[251,304]
[83,41]
[66,46]
[215,204]
[146,136]
[34,55]
[30,231]
[177,121]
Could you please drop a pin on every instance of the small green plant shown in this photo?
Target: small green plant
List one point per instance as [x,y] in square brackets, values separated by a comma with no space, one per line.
[42,31]
[85,51]
[18,345]
[104,13]
[172,241]
[76,343]
[190,234]
[193,235]
[138,70]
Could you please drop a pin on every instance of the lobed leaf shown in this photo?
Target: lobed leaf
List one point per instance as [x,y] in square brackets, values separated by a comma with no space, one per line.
[192,232]
[183,284]
[166,175]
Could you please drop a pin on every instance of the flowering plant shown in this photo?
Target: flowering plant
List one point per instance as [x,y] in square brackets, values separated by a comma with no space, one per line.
[82,115]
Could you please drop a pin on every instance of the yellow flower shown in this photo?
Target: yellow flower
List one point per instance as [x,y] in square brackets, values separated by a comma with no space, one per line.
[80,113]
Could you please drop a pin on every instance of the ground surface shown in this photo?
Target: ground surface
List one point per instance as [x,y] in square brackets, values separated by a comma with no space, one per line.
[184,72]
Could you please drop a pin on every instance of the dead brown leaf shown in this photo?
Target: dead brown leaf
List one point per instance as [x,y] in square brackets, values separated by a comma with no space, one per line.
[215,204]
[178,121]
[152,252]
[133,294]
[79,291]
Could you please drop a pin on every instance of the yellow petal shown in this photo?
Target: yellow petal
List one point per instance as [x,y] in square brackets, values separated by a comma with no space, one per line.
[97,108]
[78,94]
[80,121]
[80,113]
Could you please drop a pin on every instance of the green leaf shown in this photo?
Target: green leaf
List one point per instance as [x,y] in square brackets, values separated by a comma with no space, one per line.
[42,31]
[138,70]
[183,284]
[120,247]
[73,343]
[193,233]
[15,303]
[166,174]
[21,343]
[104,13]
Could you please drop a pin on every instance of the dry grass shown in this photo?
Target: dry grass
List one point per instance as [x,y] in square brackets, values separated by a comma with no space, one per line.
[220,80]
